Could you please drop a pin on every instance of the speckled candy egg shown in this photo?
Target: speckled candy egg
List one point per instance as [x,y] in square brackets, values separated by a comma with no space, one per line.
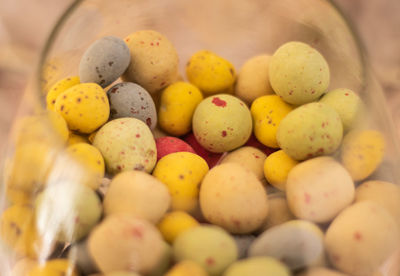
[310,130]
[318,189]
[222,123]
[126,144]
[129,99]
[122,241]
[298,73]
[347,104]
[84,106]
[249,158]
[267,113]
[64,219]
[58,88]
[182,173]
[177,105]
[167,144]
[104,61]
[232,197]
[154,60]
[209,246]
[253,79]
[361,238]
[139,194]
[298,243]
[362,152]
[211,73]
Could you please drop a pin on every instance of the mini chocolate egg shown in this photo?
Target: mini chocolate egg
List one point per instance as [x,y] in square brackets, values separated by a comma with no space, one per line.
[126,144]
[177,105]
[54,267]
[253,79]
[347,104]
[58,88]
[298,73]
[167,144]
[174,223]
[154,60]
[139,194]
[267,113]
[277,167]
[258,266]
[384,193]
[122,241]
[182,173]
[248,157]
[298,243]
[104,61]
[222,123]
[318,189]
[207,245]
[310,130]
[362,152]
[84,107]
[361,238]
[129,99]
[64,219]
[224,192]
[211,73]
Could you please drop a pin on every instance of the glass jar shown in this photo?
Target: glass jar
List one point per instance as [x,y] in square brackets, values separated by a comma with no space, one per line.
[236,30]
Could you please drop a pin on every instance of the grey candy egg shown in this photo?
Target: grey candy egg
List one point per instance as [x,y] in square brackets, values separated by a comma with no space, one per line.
[129,99]
[104,61]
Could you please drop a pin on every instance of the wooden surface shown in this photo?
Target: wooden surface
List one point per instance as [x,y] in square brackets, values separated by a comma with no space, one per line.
[23,33]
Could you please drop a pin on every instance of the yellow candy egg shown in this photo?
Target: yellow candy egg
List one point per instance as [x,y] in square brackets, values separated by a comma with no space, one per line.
[185,268]
[29,166]
[58,88]
[277,167]
[362,152]
[182,172]
[41,127]
[91,158]
[267,112]
[84,106]
[74,138]
[178,102]
[210,73]
[54,267]
[174,223]
[18,231]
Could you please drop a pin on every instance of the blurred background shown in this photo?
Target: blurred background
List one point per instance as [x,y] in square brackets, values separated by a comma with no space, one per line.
[25,25]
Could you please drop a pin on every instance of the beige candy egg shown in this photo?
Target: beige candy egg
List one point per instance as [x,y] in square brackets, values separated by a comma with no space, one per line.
[154,61]
[232,197]
[23,266]
[139,194]
[384,193]
[253,79]
[361,238]
[318,189]
[279,211]
[248,157]
[122,241]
